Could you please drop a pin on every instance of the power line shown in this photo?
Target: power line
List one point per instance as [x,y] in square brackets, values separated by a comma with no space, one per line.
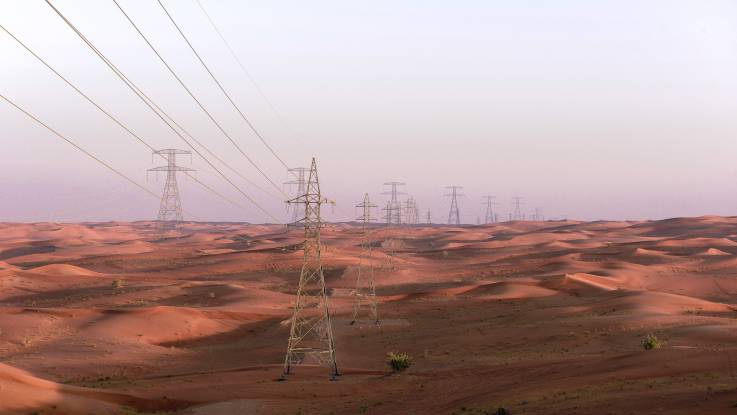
[196,100]
[243,116]
[113,118]
[78,147]
[146,100]
[157,109]
[277,114]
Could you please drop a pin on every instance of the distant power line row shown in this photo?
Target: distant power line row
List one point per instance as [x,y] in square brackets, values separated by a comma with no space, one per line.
[407,211]
[176,128]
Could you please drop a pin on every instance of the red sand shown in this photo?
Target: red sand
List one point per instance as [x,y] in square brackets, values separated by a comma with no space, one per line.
[538,318]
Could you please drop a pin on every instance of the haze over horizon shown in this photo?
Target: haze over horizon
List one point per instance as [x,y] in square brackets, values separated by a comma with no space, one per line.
[614,110]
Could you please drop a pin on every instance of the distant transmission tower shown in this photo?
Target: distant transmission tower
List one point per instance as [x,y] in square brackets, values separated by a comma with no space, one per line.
[410,212]
[170,210]
[517,211]
[299,181]
[429,217]
[393,217]
[538,215]
[489,217]
[365,262]
[393,207]
[454,216]
[311,332]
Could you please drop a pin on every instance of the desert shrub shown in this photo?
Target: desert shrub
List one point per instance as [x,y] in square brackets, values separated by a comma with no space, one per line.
[651,342]
[398,362]
[117,284]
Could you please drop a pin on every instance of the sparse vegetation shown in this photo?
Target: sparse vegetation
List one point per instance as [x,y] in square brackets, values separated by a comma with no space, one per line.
[398,362]
[117,284]
[651,342]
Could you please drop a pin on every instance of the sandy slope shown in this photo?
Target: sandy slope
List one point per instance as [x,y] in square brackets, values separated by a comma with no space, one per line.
[539,318]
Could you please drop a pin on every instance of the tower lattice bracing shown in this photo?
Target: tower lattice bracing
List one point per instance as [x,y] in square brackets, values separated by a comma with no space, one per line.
[454,216]
[409,212]
[393,218]
[517,215]
[538,216]
[393,207]
[489,217]
[311,331]
[170,209]
[300,174]
[365,292]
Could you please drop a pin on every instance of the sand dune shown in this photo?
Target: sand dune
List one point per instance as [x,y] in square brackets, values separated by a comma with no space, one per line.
[714,251]
[697,242]
[62,270]
[647,302]
[580,284]
[540,317]
[161,324]
[6,266]
[508,291]
[21,392]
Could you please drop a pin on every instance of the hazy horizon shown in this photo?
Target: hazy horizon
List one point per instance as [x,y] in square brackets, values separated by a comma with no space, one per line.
[613,110]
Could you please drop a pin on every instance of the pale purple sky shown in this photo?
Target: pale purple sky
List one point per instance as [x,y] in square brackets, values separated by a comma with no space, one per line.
[593,110]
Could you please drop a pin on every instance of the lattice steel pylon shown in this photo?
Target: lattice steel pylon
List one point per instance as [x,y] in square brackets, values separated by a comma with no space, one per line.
[489,217]
[365,284]
[517,211]
[300,182]
[410,212]
[538,216]
[170,209]
[393,207]
[393,217]
[454,216]
[311,331]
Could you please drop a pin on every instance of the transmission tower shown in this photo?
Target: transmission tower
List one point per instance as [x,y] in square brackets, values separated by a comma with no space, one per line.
[454,216]
[299,181]
[490,217]
[538,215]
[393,207]
[393,217]
[170,210]
[429,217]
[410,213]
[517,211]
[311,332]
[365,262]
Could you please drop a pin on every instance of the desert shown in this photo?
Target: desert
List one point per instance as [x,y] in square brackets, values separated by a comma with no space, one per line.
[368,207]
[525,317]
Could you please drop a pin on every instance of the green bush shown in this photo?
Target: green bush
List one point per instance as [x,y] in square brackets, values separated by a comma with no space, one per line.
[651,342]
[398,362]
